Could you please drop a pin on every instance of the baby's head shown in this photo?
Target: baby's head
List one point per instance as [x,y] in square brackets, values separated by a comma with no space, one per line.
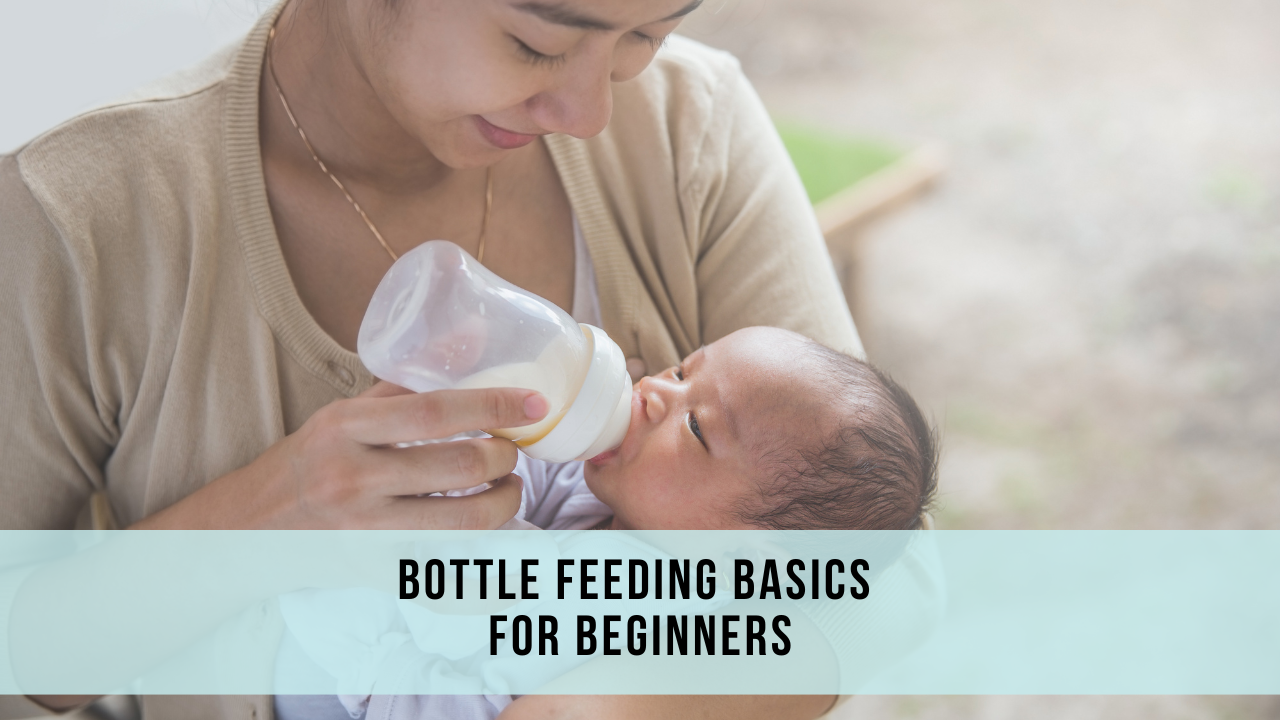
[767,429]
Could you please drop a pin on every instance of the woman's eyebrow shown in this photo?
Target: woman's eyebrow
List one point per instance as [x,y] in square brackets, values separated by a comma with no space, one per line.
[683,11]
[561,14]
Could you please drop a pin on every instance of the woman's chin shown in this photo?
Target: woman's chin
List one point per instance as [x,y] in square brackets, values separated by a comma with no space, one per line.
[458,146]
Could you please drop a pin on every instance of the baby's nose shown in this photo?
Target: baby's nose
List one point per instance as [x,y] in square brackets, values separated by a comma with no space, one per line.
[652,393]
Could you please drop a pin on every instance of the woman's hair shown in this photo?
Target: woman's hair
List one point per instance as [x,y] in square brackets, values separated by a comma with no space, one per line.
[876,469]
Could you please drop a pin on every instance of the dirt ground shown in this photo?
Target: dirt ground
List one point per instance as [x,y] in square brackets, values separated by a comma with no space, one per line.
[1089,304]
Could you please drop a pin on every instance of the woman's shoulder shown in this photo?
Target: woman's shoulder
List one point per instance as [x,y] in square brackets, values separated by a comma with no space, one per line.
[680,125]
[671,126]
[130,117]
[678,94]
[698,66]
[163,135]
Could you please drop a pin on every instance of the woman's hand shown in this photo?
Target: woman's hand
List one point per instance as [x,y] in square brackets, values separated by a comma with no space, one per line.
[341,470]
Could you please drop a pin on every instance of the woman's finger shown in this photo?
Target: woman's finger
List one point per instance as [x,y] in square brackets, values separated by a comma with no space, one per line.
[482,511]
[384,389]
[439,414]
[441,467]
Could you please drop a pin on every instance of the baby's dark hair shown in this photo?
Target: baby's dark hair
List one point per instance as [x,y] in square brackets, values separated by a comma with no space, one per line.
[876,470]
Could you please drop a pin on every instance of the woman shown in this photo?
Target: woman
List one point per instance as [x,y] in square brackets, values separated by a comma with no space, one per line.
[185,271]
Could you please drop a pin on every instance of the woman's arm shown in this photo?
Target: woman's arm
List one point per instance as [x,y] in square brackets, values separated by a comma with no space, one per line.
[761,258]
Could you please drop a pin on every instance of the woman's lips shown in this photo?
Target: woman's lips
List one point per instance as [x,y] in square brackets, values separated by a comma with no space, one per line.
[504,139]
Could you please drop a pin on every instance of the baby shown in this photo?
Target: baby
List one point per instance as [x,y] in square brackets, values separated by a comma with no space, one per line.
[763,429]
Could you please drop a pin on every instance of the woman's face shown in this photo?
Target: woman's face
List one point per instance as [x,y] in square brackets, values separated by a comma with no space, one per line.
[475,79]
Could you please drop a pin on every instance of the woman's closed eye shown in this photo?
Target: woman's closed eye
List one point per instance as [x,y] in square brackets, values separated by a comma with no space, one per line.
[533,57]
[654,42]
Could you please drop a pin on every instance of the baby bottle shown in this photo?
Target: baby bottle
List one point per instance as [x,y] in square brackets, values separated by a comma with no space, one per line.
[440,320]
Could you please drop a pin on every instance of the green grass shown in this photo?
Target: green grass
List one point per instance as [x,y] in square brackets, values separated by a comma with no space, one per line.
[830,162]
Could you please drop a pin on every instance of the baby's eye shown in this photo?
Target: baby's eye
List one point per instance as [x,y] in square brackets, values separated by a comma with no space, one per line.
[679,373]
[693,427]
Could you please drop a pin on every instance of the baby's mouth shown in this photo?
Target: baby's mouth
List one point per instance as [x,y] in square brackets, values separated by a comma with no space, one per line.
[604,457]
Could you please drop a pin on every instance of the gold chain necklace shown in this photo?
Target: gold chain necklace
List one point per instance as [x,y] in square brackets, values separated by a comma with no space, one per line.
[488,173]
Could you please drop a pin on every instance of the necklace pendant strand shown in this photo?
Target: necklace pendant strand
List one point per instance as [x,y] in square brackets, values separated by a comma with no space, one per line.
[488,174]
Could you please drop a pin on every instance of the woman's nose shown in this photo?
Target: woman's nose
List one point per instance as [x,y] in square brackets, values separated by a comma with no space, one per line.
[580,105]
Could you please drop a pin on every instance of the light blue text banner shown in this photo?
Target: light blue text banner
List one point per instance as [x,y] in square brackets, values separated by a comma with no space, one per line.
[359,613]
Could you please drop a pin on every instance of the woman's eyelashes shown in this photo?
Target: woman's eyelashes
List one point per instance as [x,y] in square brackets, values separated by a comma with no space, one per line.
[535,58]
[540,59]
[654,42]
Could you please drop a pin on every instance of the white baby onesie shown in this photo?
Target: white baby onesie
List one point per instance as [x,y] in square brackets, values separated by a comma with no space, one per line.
[555,497]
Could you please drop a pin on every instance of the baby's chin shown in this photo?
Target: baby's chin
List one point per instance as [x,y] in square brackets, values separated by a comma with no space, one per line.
[597,480]
[591,473]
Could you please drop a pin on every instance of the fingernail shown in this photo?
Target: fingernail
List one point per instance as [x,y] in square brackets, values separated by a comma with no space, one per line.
[535,407]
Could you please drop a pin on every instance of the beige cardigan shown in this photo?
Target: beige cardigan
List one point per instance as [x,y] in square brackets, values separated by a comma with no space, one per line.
[153,340]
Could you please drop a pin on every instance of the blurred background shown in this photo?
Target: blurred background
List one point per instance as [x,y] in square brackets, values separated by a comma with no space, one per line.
[1087,300]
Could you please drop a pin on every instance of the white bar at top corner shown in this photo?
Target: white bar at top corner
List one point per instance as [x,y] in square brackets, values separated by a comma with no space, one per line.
[60,57]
